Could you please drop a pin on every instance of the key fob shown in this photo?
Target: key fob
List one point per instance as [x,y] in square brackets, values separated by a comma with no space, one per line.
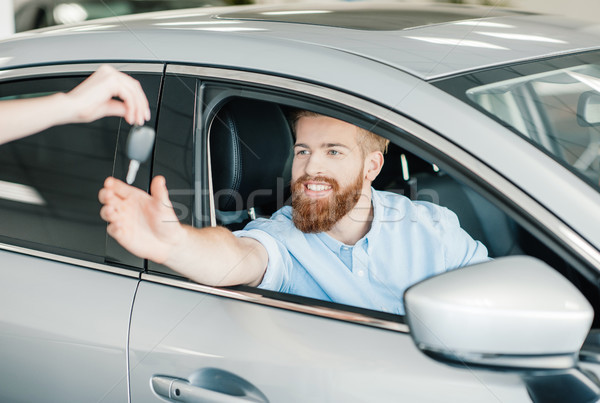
[138,148]
[140,143]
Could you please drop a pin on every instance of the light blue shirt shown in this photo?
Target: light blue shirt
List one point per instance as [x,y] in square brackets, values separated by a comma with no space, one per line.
[408,242]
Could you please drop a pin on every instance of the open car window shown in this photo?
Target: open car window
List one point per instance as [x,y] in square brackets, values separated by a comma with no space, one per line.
[263,187]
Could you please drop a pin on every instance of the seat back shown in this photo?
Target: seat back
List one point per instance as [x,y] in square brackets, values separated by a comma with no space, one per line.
[417,179]
[479,217]
[251,146]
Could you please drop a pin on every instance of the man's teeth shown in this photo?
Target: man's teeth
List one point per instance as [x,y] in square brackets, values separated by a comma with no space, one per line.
[318,188]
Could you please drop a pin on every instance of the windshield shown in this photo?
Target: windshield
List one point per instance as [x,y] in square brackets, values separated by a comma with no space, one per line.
[554,103]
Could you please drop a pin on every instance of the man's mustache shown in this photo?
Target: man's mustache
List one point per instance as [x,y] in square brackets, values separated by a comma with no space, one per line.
[324,179]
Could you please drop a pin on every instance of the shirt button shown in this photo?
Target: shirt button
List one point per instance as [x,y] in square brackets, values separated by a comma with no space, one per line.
[360,273]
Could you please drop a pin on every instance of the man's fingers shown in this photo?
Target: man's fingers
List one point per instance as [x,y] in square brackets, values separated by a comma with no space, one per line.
[115,230]
[158,189]
[109,213]
[120,188]
[104,195]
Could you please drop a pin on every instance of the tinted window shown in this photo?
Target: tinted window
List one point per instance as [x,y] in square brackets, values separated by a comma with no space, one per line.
[49,182]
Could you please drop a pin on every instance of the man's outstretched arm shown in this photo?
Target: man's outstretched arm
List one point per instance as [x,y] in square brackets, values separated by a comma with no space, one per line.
[146,225]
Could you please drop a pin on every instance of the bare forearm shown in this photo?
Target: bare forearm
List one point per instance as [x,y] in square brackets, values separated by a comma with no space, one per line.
[22,117]
[146,225]
[214,256]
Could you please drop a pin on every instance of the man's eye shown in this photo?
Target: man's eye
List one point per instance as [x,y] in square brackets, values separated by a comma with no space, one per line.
[334,152]
[302,152]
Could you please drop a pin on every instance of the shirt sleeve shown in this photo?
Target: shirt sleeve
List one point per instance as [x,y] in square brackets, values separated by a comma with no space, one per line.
[277,275]
[459,248]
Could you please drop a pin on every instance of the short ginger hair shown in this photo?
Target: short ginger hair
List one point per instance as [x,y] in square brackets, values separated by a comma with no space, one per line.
[367,140]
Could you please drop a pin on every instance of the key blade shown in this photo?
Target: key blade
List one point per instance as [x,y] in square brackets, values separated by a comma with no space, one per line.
[134,165]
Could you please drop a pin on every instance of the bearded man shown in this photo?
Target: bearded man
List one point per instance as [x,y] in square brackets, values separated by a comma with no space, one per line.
[340,241]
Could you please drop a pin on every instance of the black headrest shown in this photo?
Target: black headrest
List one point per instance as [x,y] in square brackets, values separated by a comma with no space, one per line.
[251,154]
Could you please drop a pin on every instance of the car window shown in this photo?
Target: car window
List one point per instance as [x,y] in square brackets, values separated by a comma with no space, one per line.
[230,123]
[49,181]
[553,103]
[416,176]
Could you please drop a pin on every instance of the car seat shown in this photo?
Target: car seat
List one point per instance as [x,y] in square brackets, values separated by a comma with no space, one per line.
[406,174]
[251,149]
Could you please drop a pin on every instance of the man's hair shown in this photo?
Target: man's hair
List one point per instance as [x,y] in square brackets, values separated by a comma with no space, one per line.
[367,141]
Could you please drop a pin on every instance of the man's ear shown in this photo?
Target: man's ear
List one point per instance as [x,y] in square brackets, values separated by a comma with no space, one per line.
[373,165]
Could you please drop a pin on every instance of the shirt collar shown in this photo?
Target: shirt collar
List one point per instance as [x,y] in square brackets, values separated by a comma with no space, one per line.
[333,244]
[367,241]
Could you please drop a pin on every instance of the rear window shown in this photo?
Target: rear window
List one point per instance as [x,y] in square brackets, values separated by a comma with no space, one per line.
[553,103]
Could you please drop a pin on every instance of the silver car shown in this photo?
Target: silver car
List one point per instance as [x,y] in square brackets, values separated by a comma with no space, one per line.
[492,113]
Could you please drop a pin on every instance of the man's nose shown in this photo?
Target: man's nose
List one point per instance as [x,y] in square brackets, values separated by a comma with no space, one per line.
[314,165]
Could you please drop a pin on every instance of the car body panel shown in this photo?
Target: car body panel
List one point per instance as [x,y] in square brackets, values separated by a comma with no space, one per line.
[290,356]
[64,331]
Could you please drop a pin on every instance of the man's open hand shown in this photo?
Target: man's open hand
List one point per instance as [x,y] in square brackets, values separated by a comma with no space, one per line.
[144,224]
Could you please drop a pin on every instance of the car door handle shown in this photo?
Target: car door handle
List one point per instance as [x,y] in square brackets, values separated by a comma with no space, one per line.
[208,385]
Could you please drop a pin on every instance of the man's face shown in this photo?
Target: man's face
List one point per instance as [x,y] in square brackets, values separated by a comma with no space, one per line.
[327,173]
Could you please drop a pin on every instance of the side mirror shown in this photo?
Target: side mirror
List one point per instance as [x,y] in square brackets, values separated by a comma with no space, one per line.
[588,109]
[510,313]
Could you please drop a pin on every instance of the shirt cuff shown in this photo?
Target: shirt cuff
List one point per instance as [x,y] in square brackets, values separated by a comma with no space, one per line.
[274,275]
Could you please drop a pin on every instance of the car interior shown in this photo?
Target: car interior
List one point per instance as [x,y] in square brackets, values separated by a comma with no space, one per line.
[251,154]
[250,174]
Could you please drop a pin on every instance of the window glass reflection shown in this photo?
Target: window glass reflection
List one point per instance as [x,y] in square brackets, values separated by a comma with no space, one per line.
[49,181]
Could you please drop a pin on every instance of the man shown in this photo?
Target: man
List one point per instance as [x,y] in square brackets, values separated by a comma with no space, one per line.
[340,241]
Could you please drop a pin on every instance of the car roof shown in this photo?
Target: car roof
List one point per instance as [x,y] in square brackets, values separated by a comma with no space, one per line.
[427,41]
[365,16]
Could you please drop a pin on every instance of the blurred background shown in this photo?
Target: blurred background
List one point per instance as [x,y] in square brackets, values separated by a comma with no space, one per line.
[22,15]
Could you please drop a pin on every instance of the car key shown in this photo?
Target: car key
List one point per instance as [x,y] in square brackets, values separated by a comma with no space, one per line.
[139,146]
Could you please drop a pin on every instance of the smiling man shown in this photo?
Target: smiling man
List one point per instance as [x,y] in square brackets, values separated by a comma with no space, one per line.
[340,241]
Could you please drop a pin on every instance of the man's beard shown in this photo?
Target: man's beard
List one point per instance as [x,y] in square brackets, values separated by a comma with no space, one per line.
[320,215]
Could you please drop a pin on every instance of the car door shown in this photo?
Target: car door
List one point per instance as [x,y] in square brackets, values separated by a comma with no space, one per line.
[190,342]
[65,299]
